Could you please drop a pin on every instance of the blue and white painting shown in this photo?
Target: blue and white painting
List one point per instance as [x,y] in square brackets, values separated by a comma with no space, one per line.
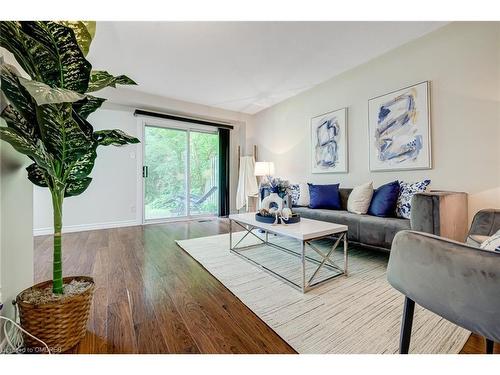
[329,142]
[400,129]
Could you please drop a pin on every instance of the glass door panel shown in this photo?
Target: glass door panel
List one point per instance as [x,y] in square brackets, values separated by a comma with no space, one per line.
[203,173]
[165,168]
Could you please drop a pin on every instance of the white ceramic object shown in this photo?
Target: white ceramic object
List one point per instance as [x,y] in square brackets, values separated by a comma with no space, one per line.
[286,213]
[272,198]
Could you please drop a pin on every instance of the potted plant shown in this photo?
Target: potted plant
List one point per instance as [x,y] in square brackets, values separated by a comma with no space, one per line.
[46,120]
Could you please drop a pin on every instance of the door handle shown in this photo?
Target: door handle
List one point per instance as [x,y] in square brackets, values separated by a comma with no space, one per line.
[145,171]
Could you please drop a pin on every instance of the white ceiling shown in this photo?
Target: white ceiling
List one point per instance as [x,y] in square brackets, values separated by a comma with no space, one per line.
[242,66]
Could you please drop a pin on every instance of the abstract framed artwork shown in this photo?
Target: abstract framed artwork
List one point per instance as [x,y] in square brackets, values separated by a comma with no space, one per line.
[399,129]
[329,152]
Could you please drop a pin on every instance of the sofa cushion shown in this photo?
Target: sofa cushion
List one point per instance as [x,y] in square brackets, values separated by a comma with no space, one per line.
[492,243]
[333,216]
[384,200]
[365,229]
[360,199]
[324,196]
[378,231]
[406,192]
[476,240]
[294,194]
[303,195]
[344,197]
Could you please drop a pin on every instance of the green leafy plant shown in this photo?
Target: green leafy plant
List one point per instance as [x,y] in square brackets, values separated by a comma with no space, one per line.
[46,116]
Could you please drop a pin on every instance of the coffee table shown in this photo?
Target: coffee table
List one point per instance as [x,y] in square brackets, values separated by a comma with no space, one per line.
[306,231]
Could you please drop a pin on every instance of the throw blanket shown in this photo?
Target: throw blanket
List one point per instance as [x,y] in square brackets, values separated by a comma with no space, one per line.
[247,184]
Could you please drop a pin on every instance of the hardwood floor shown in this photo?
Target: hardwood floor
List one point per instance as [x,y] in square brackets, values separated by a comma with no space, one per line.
[152,297]
[476,345]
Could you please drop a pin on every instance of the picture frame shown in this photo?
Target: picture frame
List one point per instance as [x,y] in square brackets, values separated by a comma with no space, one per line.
[329,142]
[399,129]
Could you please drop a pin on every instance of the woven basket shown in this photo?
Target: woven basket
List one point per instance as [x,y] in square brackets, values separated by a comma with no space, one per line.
[60,324]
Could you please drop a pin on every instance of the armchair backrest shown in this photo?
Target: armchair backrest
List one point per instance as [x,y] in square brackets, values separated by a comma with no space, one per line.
[456,281]
[485,222]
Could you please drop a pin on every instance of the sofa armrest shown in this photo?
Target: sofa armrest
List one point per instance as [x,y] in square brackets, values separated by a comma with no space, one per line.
[424,214]
[443,213]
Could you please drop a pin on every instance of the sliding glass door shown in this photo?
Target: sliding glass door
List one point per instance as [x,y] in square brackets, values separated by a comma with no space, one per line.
[164,172]
[180,172]
[203,176]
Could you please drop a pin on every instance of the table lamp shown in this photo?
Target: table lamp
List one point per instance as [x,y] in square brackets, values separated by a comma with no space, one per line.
[264,169]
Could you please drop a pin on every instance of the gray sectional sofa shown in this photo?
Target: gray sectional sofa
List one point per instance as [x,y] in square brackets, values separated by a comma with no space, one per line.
[427,215]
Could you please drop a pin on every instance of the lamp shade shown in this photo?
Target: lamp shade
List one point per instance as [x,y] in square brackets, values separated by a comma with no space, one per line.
[264,168]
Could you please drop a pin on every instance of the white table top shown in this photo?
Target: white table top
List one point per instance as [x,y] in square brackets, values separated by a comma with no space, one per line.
[305,229]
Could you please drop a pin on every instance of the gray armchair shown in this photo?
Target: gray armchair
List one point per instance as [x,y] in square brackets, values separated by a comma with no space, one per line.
[485,224]
[459,282]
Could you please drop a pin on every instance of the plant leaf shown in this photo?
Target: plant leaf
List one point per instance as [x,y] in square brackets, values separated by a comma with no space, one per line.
[3,101]
[84,33]
[36,175]
[84,125]
[17,122]
[46,116]
[100,79]
[61,134]
[54,49]
[115,137]
[91,26]
[13,39]
[88,105]
[44,94]
[24,146]
[20,99]
[83,166]
[77,187]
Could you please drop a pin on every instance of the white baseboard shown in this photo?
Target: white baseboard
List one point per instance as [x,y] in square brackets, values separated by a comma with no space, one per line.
[85,227]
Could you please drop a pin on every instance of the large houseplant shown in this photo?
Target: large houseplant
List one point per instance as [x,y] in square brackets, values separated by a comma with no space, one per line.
[46,120]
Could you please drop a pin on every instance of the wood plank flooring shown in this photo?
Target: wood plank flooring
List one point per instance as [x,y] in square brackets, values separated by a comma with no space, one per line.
[152,297]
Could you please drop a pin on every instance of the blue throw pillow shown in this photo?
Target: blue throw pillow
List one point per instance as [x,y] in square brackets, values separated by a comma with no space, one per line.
[324,196]
[384,200]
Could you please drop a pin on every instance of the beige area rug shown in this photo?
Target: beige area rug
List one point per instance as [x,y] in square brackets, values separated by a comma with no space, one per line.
[356,314]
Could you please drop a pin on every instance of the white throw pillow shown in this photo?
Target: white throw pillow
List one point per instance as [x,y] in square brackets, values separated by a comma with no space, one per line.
[492,243]
[360,198]
[303,199]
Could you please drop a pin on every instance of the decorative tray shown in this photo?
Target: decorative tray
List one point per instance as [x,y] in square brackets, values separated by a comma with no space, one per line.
[265,219]
[295,218]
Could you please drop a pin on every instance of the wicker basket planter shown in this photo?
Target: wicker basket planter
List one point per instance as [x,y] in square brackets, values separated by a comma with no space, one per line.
[60,324]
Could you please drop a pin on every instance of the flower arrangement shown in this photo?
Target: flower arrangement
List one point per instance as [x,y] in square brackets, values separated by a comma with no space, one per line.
[276,185]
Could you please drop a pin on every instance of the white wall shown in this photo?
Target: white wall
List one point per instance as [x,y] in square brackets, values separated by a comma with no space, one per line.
[462,61]
[112,198]
[16,220]
[16,226]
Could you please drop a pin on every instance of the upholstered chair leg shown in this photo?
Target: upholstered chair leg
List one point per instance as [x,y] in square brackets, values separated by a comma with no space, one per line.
[489,346]
[404,341]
